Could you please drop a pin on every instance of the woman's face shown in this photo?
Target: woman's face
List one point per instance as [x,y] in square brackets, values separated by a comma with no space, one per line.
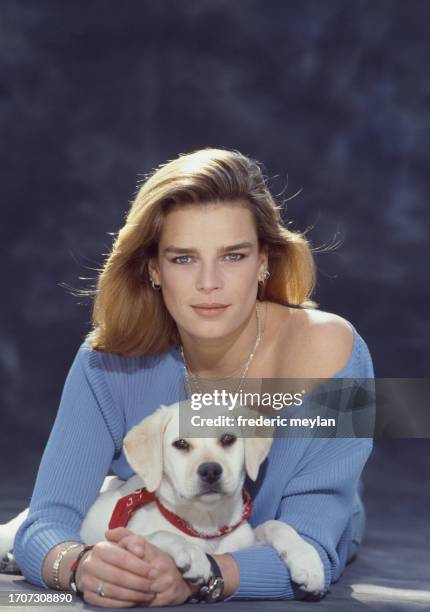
[208,254]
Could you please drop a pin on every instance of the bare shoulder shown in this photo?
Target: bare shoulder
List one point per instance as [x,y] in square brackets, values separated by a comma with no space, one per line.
[330,330]
[328,326]
[316,343]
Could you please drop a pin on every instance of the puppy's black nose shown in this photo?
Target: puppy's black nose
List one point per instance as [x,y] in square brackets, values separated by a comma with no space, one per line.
[209,472]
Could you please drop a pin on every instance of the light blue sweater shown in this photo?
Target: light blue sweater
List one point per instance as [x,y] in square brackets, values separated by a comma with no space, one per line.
[309,483]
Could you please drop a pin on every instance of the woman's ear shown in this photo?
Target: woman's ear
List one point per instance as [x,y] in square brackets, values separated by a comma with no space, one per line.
[153,270]
[264,260]
[143,447]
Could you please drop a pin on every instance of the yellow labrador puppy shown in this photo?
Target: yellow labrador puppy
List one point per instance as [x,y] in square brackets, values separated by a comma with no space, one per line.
[187,498]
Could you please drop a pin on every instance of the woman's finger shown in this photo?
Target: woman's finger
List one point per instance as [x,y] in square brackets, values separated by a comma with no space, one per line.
[118,573]
[114,590]
[115,576]
[133,542]
[136,545]
[119,557]
[115,535]
[106,602]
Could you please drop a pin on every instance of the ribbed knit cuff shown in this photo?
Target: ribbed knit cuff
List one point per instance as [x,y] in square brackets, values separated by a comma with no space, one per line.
[37,542]
[263,575]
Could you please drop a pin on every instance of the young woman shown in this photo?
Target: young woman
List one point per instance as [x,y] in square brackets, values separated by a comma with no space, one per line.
[203,281]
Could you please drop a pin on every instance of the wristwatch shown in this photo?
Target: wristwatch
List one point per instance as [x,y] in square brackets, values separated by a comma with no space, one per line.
[213,590]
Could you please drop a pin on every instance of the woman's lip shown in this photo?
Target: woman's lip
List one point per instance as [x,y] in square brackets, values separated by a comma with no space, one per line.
[210,305]
[211,311]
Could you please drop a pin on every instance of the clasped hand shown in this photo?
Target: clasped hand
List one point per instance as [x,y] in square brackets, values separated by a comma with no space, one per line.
[129,571]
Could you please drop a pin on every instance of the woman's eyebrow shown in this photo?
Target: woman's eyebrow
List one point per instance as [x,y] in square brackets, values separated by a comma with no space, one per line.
[230,247]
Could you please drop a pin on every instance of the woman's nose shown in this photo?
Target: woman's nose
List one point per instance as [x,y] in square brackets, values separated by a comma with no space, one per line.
[209,277]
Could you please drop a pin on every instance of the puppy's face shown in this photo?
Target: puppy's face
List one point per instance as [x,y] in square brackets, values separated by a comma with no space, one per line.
[203,469]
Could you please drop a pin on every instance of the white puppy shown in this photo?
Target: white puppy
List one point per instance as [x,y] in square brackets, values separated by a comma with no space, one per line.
[199,481]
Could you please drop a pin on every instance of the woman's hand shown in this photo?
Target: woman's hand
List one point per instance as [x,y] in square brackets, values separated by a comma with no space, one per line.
[118,571]
[166,581]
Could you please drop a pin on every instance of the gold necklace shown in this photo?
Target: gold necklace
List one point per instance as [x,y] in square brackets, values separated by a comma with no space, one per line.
[245,368]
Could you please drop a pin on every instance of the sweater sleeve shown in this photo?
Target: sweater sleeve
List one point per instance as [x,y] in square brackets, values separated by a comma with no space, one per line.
[317,503]
[76,459]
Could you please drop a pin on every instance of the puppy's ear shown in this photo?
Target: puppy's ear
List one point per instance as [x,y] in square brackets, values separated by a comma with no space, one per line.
[143,447]
[256,450]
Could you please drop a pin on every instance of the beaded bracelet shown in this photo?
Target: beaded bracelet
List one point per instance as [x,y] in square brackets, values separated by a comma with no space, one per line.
[74,567]
[56,564]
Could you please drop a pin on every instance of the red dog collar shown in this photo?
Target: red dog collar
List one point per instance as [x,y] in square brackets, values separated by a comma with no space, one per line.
[127,506]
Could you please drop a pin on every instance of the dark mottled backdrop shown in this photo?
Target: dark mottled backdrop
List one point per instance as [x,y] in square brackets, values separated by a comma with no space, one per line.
[333,97]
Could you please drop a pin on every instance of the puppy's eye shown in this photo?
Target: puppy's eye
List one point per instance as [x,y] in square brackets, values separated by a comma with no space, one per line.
[181,444]
[227,439]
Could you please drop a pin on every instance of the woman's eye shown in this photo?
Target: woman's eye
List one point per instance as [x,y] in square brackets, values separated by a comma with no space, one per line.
[235,256]
[180,260]
[185,259]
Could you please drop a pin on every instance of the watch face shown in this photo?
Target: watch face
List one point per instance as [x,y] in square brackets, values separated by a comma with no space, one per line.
[217,589]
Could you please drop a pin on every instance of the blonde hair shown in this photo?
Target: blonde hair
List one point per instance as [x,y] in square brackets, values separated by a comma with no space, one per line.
[129,317]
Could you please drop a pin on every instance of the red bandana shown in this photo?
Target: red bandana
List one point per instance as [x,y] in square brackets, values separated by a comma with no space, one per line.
[127,506]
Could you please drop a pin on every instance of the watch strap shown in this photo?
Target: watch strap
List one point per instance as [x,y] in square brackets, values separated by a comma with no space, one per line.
[215,567]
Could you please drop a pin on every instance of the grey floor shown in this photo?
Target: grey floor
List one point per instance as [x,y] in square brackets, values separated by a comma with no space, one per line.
[392,571]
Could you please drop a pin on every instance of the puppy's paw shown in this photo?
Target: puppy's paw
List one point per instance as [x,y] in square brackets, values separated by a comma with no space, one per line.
[306,568]
[8,565]
[260,535]
[190,560]
[193,564]
[301,558]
